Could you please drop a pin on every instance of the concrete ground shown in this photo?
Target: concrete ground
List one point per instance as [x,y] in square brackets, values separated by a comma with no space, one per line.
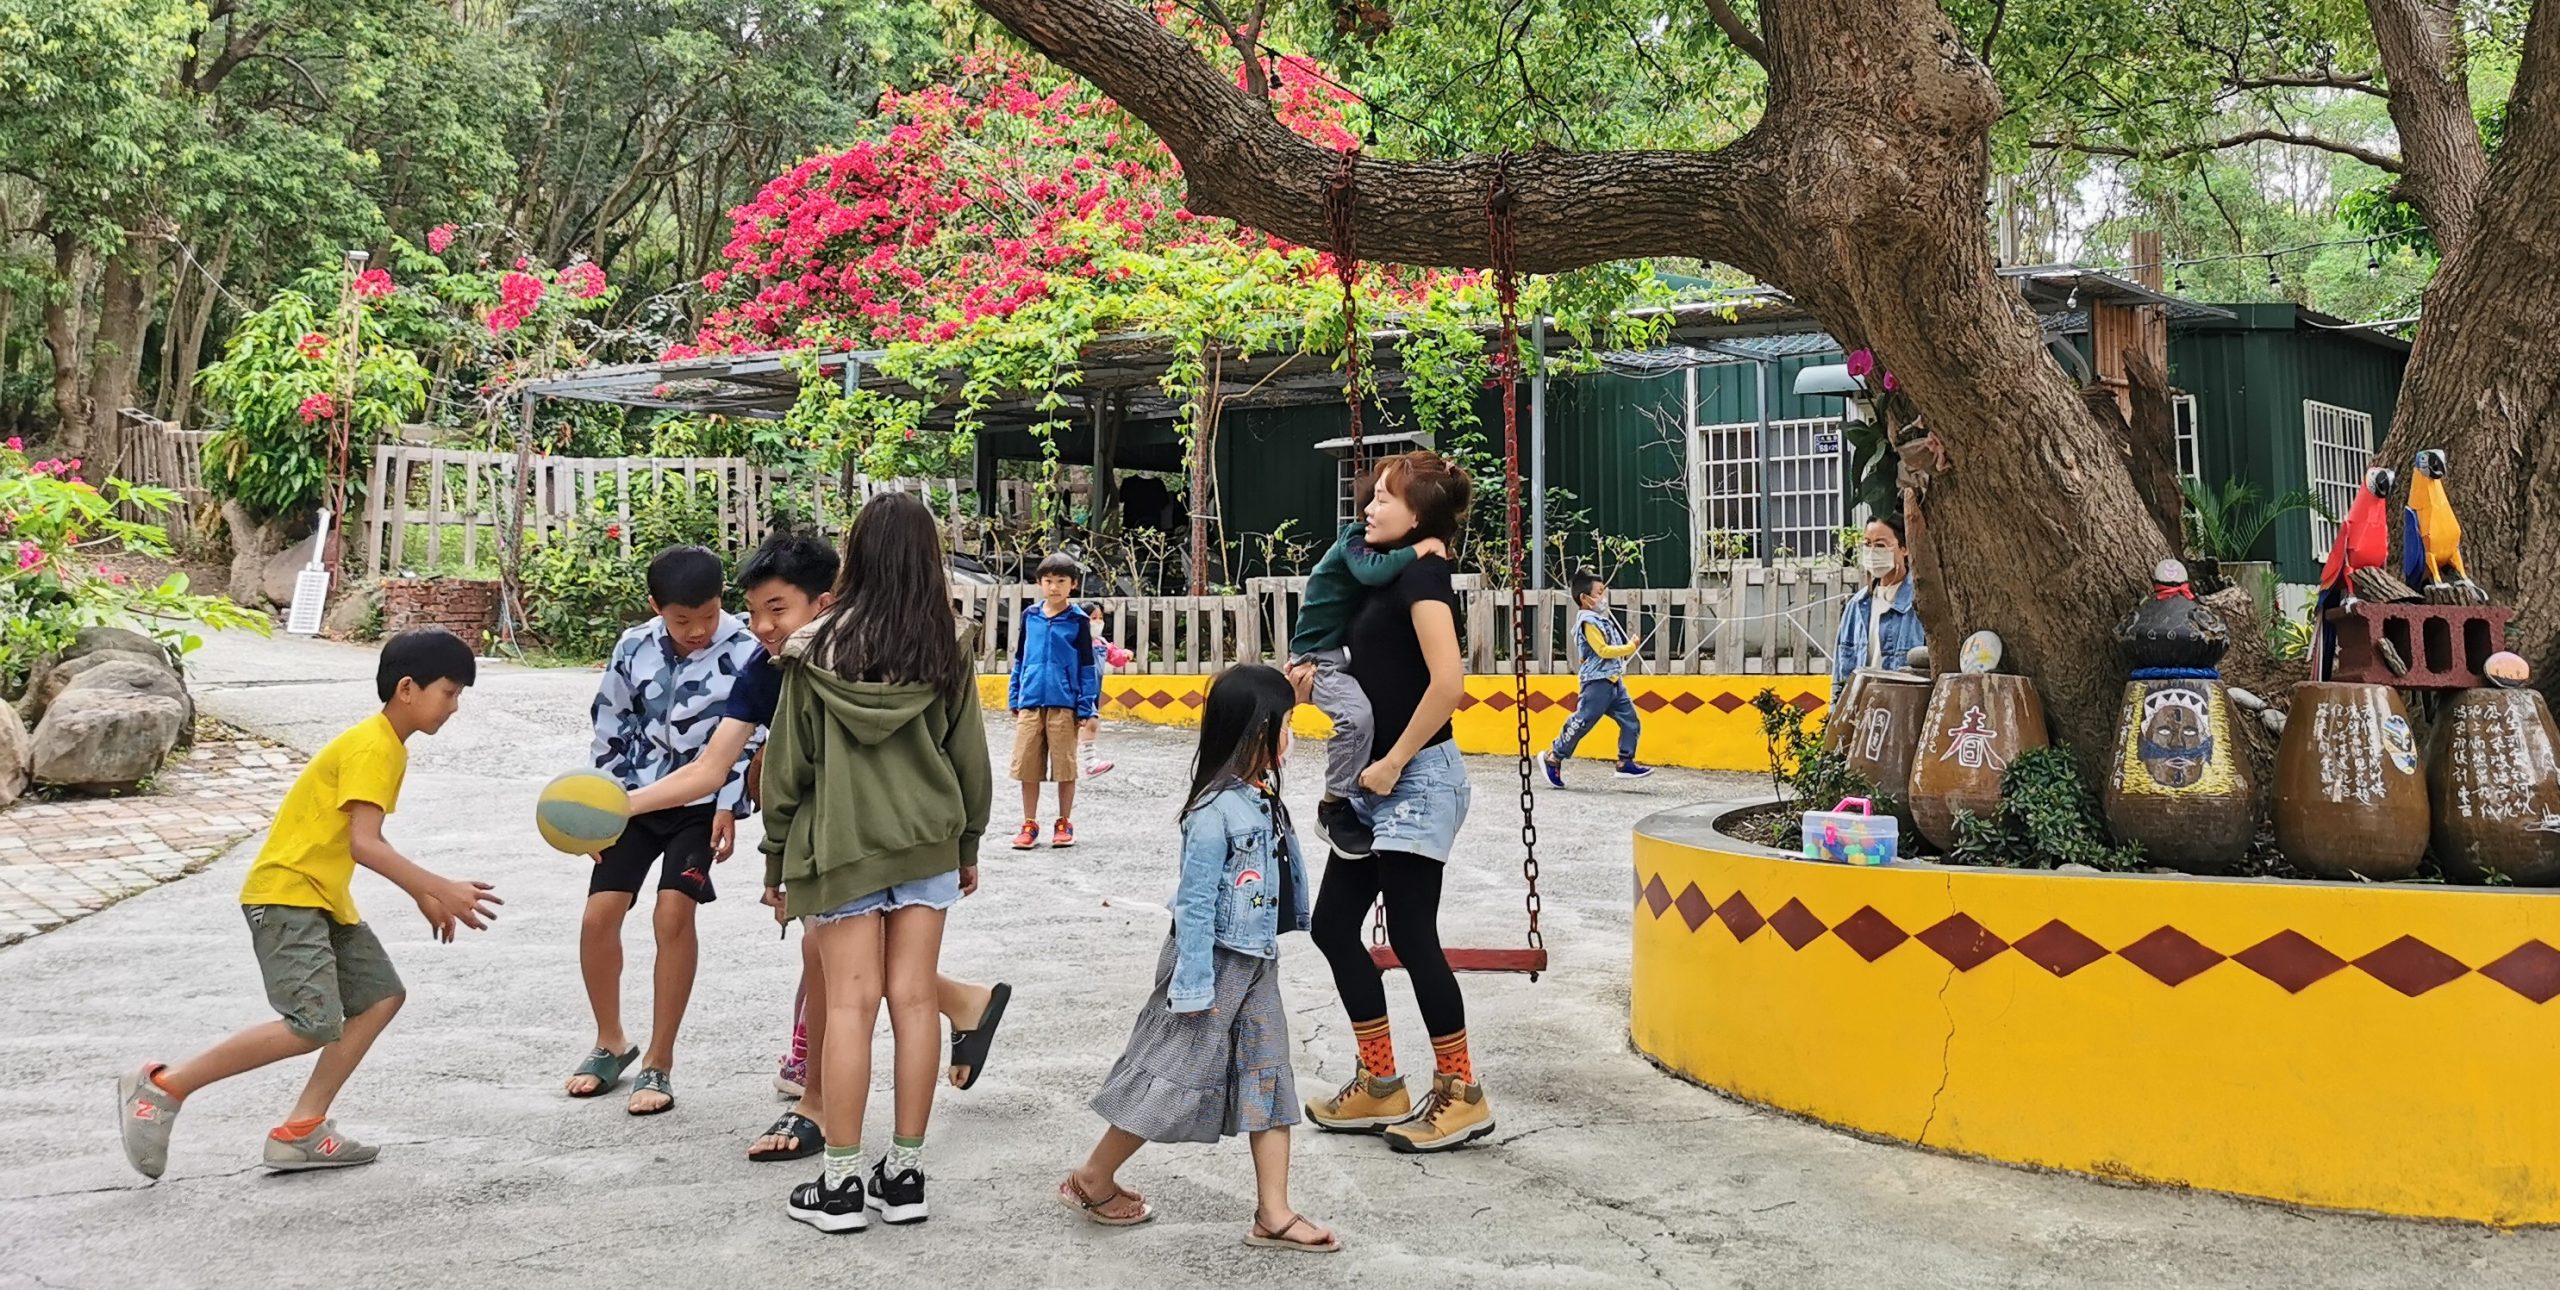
[1605,1172]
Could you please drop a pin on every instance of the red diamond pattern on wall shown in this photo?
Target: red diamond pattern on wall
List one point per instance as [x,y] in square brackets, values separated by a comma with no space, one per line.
[2290,959]
[1693,906]
[1193,698]
[1739,917]
[1808,701]
[1687,704]
[2169,955]
[1656,896]
[1161,699]
[1870,933]
[1542,701]
[2172,957]
[2411,966]
[1963,942]
[1499,700]
[1649,702]
[2531,969]
[2059,948]
[1727,703]
[1795,924]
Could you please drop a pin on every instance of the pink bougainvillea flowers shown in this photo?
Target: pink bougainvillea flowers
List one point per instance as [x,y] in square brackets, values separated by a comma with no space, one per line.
[313,346]
[438,238]
[373,284]
[583,280]
[29,555]
[317,407]
[16,444]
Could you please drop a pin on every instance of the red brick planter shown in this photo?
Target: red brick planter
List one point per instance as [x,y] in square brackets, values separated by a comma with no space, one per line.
[467,607]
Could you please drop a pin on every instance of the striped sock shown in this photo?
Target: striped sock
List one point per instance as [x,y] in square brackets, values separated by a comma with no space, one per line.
[904,1154]
[844,1165]
[1377,1048]
[1449,1057]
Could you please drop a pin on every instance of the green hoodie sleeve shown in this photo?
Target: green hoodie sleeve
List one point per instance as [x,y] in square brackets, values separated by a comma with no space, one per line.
[789,767]
[966,747]
[1373,567]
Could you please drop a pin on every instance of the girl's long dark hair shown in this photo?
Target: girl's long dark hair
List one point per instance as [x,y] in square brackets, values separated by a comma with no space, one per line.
[892,621]
[1240,728]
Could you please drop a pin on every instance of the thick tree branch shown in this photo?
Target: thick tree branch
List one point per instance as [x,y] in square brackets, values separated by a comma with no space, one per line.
[1738,31]
[2324,80]
[2428,64]
[2378,160]
[1571,209]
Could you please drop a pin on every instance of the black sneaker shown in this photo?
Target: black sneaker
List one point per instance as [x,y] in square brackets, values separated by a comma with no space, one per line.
[1343,830]
[830,1209]
[900,1200]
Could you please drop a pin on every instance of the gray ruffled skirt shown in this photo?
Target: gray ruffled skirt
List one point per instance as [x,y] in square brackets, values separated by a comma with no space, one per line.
[1201,1076]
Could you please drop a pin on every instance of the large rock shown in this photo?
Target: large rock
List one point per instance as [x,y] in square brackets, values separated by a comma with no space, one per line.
[355,608]
[63,675]
[105,740]
[13,755]
[93,640]
[286,565]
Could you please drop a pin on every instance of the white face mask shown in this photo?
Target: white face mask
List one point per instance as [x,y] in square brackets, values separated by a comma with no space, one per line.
[1878,561]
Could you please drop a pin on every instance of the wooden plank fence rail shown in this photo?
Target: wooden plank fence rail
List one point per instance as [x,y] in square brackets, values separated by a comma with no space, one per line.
[1754,621]
[456,502]
[157,453]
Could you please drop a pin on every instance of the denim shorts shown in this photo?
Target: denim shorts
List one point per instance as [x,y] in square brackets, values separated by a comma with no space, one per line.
[1421,817]
[940,891]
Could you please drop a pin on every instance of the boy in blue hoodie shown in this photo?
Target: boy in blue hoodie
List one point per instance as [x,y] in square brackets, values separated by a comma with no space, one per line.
[1055,687]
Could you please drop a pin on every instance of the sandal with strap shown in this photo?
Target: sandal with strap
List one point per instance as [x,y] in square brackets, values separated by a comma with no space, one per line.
[969,1047]
[802,1131]
[653,1080]
[607,1067]
[1269,1239]
[1073,1197]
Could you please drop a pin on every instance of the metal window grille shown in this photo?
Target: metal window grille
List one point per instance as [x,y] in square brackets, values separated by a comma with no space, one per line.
[1804,497]
[2337,448]
[1345,509]
[2190,441]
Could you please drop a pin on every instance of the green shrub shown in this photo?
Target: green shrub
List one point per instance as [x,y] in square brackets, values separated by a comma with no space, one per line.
[2047,818]
[1805,775]
[582,590]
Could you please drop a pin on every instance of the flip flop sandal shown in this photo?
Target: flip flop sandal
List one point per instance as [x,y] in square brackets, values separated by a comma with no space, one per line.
[1073,1197]
[969,1047]
[607,1066]
[797,1127]
[653,1080]
[1279,1240]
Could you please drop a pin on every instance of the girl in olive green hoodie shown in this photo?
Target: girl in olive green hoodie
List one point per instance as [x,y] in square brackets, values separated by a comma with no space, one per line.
[876,788]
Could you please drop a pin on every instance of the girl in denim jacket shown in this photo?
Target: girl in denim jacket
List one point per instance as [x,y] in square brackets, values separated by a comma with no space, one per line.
[1209,1056]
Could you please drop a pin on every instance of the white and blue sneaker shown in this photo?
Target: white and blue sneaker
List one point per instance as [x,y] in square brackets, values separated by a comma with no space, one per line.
[1633,769]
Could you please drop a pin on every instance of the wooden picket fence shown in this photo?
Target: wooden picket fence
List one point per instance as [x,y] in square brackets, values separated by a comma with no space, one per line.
[426,504]
[148,450]
[1751,621]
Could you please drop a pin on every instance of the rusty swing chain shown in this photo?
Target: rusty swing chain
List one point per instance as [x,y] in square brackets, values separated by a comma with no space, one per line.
[1501,242]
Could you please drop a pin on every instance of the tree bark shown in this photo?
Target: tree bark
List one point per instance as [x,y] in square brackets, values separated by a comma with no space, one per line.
[125,290]
[254,542]
[64,325]
[2443,162]
[191,357]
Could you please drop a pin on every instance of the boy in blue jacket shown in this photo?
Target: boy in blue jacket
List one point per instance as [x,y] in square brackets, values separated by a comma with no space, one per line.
[1055,686]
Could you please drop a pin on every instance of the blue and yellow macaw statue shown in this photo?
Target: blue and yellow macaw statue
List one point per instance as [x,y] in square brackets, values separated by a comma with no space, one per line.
[2430,533]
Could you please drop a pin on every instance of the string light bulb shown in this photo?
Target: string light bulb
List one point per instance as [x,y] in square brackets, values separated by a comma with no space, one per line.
[2073,301]
[2372,261]
[2275,280]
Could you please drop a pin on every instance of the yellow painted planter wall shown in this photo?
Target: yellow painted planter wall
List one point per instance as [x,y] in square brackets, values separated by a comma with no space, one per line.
[2360,1047]
[1702,722]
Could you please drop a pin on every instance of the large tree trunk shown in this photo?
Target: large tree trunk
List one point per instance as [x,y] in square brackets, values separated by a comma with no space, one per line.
[125,292]
[191,353]
[2480,384]
[64,325]
[254,542]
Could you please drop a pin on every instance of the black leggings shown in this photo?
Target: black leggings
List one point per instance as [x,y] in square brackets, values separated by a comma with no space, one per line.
[1411,887]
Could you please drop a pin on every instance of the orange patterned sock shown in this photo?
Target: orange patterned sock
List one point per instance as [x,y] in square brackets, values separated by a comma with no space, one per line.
[1377,1049]
[1449,1057]
[292,1129]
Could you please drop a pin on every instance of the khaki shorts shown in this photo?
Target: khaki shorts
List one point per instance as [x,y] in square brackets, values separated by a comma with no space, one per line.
[1044,739]
[318,972]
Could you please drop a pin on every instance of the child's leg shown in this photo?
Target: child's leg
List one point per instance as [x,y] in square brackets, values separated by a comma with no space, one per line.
[1272,1215]
[1031,799]
[339,1060]
[600,964]
[914,937]
[1067,800]
[243,1051]
[813,1020]
[1622,709]
[1339,697]
[849,952]
[1588,708]
[679,952]
[1097,1180]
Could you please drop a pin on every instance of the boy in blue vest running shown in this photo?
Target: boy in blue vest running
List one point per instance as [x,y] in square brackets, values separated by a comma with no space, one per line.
[1602,648]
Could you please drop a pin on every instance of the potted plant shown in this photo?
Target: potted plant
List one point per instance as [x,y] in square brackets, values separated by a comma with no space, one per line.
[2225,524]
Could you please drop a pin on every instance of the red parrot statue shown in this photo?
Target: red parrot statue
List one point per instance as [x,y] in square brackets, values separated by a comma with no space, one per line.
[2363,542]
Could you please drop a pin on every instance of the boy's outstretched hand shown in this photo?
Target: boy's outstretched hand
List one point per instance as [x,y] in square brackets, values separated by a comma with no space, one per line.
[450,901]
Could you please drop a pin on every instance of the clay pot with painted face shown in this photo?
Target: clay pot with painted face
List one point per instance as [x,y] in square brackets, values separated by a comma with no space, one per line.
[2350,800]
[1876,725]
[2180,782]
[1977,723]
[2493,780]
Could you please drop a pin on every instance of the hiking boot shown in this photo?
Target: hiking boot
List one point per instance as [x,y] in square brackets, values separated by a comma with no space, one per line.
[1554,769]
[829,1209]
[1342,829]
[1029,837]
[1454,1114]
[1633,769]
[900,1200]
[1365,1105]
[322,1148]
[144,1115]
[1064,835]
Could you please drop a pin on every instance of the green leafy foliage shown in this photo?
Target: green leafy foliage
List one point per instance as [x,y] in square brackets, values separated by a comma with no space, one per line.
[2226,522]
[1802,773]
[288,378]
[2047,818]
[57,580]
[582,589]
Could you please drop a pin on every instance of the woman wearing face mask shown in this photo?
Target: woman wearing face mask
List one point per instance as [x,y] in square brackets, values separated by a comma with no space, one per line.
[1880,628]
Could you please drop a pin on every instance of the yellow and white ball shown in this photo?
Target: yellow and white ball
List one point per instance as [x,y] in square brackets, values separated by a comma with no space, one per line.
[582,812]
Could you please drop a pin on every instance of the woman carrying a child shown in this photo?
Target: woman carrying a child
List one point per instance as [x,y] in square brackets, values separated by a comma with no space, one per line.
[1404,653]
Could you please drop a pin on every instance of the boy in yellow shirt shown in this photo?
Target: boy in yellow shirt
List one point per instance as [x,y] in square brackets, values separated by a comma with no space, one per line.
[325,973]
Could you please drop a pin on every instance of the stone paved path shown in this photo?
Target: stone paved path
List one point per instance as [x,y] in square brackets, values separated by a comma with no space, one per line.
[68,859]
